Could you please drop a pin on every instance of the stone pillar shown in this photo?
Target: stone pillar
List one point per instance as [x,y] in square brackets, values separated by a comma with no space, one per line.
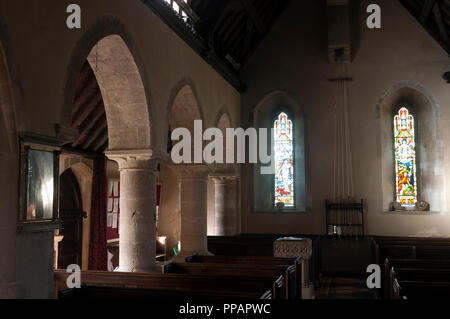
[225,204]
[137,244]
[297,247]
[192,182]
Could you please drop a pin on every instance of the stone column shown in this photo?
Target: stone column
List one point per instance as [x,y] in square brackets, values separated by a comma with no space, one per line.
[225,204]
[192,182]
[137,244]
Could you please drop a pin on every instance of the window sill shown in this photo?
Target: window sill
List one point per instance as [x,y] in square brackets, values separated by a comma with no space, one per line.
[412,212]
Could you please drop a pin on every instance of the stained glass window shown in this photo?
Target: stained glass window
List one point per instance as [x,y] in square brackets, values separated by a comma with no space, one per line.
[284,161]
[405,158]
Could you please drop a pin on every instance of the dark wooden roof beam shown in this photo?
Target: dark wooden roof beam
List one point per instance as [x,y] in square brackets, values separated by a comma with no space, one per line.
[90,122]
[101,126]
[86,94]
[83,112]
[251,11]
[441,26]
[101,142]
[426,10]
[189,12]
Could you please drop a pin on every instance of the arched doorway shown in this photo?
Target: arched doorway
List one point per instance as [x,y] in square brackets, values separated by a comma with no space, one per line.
[71,216]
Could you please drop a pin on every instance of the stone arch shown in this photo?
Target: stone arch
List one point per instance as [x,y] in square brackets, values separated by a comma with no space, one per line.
[184,98]
[120,72]
[279,97]
[429,144]
[223,119]
[262,117]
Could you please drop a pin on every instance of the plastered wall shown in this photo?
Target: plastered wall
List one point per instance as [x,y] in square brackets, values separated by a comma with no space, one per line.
[293,58]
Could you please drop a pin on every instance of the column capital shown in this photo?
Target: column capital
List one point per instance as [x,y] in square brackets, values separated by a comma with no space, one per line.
[144,159]
[191,171]
[223,178]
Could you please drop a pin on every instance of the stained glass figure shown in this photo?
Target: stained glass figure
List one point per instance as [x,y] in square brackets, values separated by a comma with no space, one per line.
[284,161]
[405,158]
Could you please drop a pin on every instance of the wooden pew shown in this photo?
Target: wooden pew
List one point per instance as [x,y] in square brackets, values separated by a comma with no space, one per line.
[418,283]
[259,260]
[416,263]
[425,275]
[108,284]
[226,269]
[293,283]
[392,288]
[262,245]
[248,266]
[421,241]
[279,288]
[432,252]
[397,251]
[267,295]
[419,290]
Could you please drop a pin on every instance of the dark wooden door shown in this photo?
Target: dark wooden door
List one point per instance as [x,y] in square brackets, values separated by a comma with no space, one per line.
[71,217]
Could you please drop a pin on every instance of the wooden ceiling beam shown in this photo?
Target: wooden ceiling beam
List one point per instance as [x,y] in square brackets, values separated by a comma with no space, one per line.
[101,126]
[187,9]
[86,94]
[426,10]
[252,13]
[441,26]
[89,123]
[86,110]
[85,76]
[101,141]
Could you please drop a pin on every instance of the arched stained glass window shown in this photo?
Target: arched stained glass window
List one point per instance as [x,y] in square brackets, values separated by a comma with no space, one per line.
[405,158]
[284,161]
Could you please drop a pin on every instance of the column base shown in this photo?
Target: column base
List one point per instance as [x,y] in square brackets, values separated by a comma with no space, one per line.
[151,270]
[308,292]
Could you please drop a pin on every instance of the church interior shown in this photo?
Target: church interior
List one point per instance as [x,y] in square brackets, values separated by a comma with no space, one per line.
[247,149]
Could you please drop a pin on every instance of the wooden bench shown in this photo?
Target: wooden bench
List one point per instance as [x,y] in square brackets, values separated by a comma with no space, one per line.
[417,283]
[425,275]
[425,290]
[129,285]
[268,273]
[261,245]
[261,264]
[260,260]
[422,241]
[417,263]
